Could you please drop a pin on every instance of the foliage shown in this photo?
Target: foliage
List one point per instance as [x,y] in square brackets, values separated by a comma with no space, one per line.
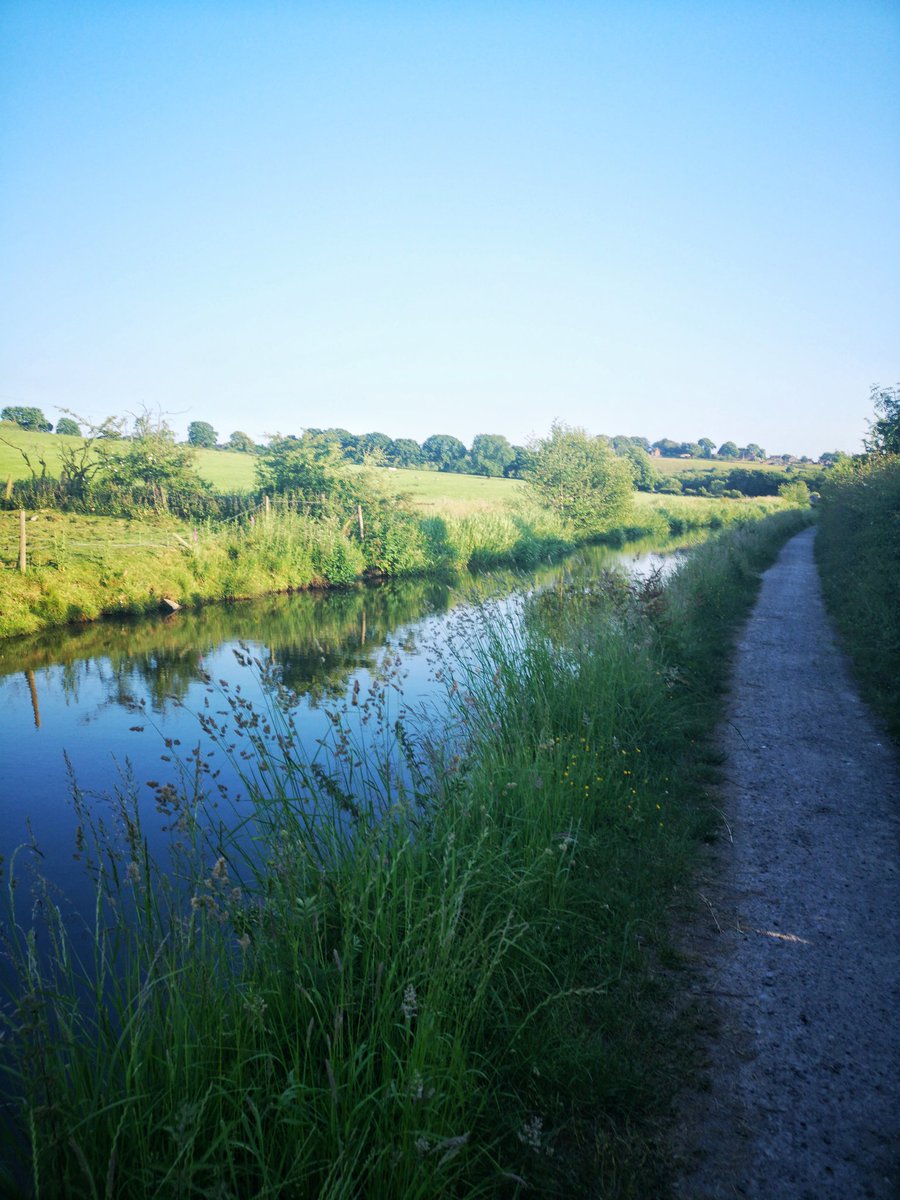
[312,467]
[151,460]
[201,433]
[240,443]
[581,479]
[68,428]
[26,418]
[80,464]
[729,450]
[796,494]
[446,452]
[858,552]
[404,452]
[521,463]
[884,431]
[643,472]
[427,971]
[491,454]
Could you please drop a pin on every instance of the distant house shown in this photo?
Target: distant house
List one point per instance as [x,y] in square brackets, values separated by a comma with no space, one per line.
[654,453]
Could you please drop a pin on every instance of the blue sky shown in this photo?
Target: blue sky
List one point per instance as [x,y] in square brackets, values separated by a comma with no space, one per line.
[666,219]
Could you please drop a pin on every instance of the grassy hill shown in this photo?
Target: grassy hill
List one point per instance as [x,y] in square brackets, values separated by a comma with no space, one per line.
[229,472]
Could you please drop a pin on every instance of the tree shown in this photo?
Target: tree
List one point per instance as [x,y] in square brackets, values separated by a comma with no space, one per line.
[521,464]
[375,444]
[491,454]
[667,448]
[27,418]
[240,443]
[152,462]
[89,459]
[313,466]
[884,431]
[796,493]
[202,434]
[707,447]
[753,452]
[643,472]
[581,479]
[68,427]
[729,450]
[832,457]
[404,452]
[444,451]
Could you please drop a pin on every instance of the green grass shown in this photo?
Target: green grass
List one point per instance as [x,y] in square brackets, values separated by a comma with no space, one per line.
[858,553]
[721,466]
[456,494]
[445,987]
[81,567]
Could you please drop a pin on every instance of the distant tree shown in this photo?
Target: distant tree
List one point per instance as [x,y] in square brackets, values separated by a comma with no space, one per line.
[580,479]
[832,457]
[376,444]
[202,435]
[751,482]
[884,431]
[729,450]
[753,452]
[68,427]
[521,464]
[240,443]
[692,449]
[404,452]
[643,472]
[27,418]
[707,447]
[491,454]
[446,452]
[796,493]
[667,448]
[313,466]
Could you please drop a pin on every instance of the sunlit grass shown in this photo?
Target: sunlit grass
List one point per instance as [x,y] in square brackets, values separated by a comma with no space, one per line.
[429,970]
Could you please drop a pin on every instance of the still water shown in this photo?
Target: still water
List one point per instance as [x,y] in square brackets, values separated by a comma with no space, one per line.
[96,704]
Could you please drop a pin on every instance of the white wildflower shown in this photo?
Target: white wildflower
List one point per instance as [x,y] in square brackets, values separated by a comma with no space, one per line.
[410,1005]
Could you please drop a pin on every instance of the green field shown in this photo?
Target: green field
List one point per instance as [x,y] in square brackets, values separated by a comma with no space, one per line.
[229,472]
[721,466]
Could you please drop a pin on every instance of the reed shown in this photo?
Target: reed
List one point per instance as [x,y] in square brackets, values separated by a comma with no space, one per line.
[432,969]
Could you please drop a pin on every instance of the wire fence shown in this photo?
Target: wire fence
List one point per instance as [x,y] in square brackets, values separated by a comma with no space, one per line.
[41,539]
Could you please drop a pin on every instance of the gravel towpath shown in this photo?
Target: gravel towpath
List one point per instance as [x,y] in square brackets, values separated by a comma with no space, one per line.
[798,952]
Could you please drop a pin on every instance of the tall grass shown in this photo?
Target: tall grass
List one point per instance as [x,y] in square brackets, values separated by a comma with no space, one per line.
[858,553]
[430,970]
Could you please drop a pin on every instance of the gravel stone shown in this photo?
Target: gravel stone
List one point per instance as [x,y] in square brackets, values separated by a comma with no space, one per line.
[798,959]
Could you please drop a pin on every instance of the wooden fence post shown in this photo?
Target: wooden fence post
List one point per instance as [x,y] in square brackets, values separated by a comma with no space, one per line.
[268,506]
[23,558]
[362,530]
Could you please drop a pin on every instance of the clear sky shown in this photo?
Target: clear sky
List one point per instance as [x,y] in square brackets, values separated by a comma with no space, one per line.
[672,219]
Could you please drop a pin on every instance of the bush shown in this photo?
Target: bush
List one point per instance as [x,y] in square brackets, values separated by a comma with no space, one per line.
[858,552]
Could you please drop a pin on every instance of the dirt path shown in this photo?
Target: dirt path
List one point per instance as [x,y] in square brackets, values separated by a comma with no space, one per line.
[799,956]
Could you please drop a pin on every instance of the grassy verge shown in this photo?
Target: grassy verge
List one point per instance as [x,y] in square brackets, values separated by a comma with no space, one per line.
[82,567]
[429,972]
[858,553]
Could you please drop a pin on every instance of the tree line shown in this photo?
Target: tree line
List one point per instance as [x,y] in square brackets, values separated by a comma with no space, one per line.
[490,454]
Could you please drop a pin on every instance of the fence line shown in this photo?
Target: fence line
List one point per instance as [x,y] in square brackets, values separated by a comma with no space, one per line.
[45,541]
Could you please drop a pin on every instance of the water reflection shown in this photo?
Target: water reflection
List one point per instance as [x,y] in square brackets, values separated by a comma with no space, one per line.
[315,639]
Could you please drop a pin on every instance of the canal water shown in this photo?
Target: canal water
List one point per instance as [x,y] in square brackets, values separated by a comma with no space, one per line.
[114,704]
